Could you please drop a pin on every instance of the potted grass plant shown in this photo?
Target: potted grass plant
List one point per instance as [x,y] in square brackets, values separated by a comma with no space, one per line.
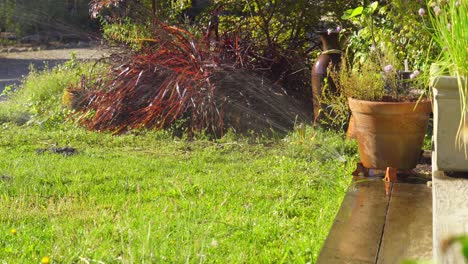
[449,20]
[390,121]
[390,118]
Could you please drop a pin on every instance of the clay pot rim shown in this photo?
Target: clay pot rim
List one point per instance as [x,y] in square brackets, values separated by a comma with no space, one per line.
[389,108]
[423,101]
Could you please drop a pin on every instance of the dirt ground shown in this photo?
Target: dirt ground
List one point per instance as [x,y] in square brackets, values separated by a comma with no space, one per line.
[15,65]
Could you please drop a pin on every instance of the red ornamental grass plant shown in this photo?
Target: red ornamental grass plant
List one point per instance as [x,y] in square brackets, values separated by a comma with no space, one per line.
[168,80]
[187,79]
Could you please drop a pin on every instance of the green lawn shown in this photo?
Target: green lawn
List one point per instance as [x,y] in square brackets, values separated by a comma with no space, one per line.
[148,198]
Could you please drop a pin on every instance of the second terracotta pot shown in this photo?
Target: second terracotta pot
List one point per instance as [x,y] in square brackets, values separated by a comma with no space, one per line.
[390,134]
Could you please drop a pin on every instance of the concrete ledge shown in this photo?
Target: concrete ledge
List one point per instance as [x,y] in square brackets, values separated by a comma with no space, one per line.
[450,205]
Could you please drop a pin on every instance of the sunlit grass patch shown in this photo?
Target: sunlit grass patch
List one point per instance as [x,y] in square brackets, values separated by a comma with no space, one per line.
[152,198]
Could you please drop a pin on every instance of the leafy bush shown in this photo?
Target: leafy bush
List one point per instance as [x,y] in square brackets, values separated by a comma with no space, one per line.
[27,17]
[127,32]
[280,32]
[398,31]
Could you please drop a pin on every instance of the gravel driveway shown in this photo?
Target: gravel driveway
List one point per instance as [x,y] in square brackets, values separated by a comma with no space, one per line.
[15,65]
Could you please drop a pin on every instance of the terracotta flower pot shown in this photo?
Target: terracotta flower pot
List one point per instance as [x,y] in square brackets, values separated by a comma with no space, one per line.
[390,134]
[350,130]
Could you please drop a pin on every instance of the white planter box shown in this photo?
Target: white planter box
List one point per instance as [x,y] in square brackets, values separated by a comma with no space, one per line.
[447,156]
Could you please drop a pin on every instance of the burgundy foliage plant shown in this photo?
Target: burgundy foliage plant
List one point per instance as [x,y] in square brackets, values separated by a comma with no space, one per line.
[197,81]
[168,80]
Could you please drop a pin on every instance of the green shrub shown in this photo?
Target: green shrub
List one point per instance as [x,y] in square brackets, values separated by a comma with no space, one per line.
[39,97]
[399,32]
[127,32]
[28,17]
